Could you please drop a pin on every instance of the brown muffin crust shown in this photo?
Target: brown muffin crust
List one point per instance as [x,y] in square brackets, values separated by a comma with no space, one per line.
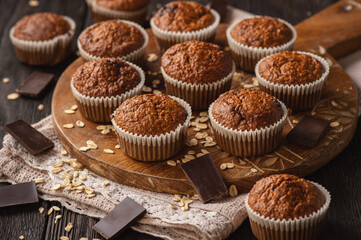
[123,5]
[41,27]
[285,196]
[111,38]
[182,16]
[150,114]
[197,62]
[261,32]
[246,109]
[291,68]
[105,77]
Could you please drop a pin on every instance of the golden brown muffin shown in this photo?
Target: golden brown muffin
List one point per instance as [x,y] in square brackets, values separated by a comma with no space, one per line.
[285,196]
[197,62]
[41,26]
[183,16]
[246,109]
[106,77]
[290,68]
[150,115]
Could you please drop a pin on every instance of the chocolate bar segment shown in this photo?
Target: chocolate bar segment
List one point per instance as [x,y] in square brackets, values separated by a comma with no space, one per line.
[205,178]
[120,218]
[35,84]
[29,137]
[17,194]
[309,131]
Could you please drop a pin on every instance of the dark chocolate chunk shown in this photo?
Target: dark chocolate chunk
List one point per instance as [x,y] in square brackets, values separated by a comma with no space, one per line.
[17,194]
[35,84]
[309,131]
[120,218]
[205,178]
[29,137]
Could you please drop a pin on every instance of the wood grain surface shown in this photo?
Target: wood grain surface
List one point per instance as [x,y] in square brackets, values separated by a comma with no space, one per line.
[341,176]
[338,104]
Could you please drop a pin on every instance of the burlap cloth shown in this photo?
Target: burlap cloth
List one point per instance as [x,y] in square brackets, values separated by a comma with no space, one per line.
[215,220]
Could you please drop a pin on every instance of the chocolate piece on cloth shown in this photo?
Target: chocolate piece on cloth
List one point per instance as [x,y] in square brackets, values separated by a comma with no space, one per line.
[119,219]
[35,84]
[17,194]
[28,137]
[205,178]
[309,131]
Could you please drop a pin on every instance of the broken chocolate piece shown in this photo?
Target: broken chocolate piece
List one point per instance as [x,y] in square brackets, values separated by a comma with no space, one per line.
[120,218]
[17,194]
[29,137]
[205,178]
[309,131]
[35,84]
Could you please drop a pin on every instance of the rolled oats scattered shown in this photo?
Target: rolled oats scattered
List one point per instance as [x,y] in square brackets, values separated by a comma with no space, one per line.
[147,89]
[254,170]
[56,170]
[203,119]
[156,81]
[56,208]
[6,80]
[68,227]
[334,124]
[313,113]
[82,177]
[64,238]
[90,195]
[171,163]
[172,206]
[109,151]
[233,191]
[89,190]
[201,125]
[69,111]
[230,165]
[185,160]
[248,85]
[21,237]
[223,166]
[201,135]
[200,154]
[152,57]
[185,207]
[176,198]
[295,121]
[105,131]
[41,107]
[196,197]
[333,103]
[41,209]
[209,139]
[13,96]
[210,144]
[105,183]
[189,157]
[69,125]
[204,151]
[92,145]
[191,152]
[63,152]
[33,3]
[101,127]
[57,218]
[203,114]
[157,92]
[39,180]
[50,211]
[84,149]
[74,107]
[191,142]
[196,129]
[321,50]
[80,123]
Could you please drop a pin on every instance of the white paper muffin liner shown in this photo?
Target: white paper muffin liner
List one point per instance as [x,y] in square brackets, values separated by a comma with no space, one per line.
[99,109]
[137,56]
[246,57]
[166,39]
[199,96]
[155,148]
[100,13]
[47,52]
[297,228]
[249,143]
[297,97]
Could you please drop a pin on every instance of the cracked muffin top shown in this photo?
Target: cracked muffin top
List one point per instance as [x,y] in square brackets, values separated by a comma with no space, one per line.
[246,109]
[150,115]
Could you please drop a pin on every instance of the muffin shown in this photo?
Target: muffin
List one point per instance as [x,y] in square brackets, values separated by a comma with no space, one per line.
[113,38]
[132,10]
[295,78]
[43,38]
[247,122]
[182,21]
[287,207]
[152,127]
[197,72]
[100,86]
[253,38]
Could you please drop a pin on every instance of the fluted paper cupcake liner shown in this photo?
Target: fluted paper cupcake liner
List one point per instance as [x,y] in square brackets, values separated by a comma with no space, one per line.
[296,97]
[199,96]
[137,56]
[100,13]
[99,109]
[307,227]
[154,148]
[48,52]
[166,39]
[246,57]
[249,143]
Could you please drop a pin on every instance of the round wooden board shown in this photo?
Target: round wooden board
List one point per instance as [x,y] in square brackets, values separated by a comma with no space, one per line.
[338,104]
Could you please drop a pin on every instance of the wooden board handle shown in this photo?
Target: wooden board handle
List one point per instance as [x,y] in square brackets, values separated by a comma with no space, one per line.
[336,28]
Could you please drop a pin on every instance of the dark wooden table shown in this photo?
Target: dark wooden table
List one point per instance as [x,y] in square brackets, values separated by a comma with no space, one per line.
[342,176]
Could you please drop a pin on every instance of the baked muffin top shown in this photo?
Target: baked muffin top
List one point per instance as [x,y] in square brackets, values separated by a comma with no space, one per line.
[41,27]
[291,68]
[261,32]
[183,16]
[112,38]
[150,115]
[105,77]
[285,196]
[246,109]
[123,5]
[197,62]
